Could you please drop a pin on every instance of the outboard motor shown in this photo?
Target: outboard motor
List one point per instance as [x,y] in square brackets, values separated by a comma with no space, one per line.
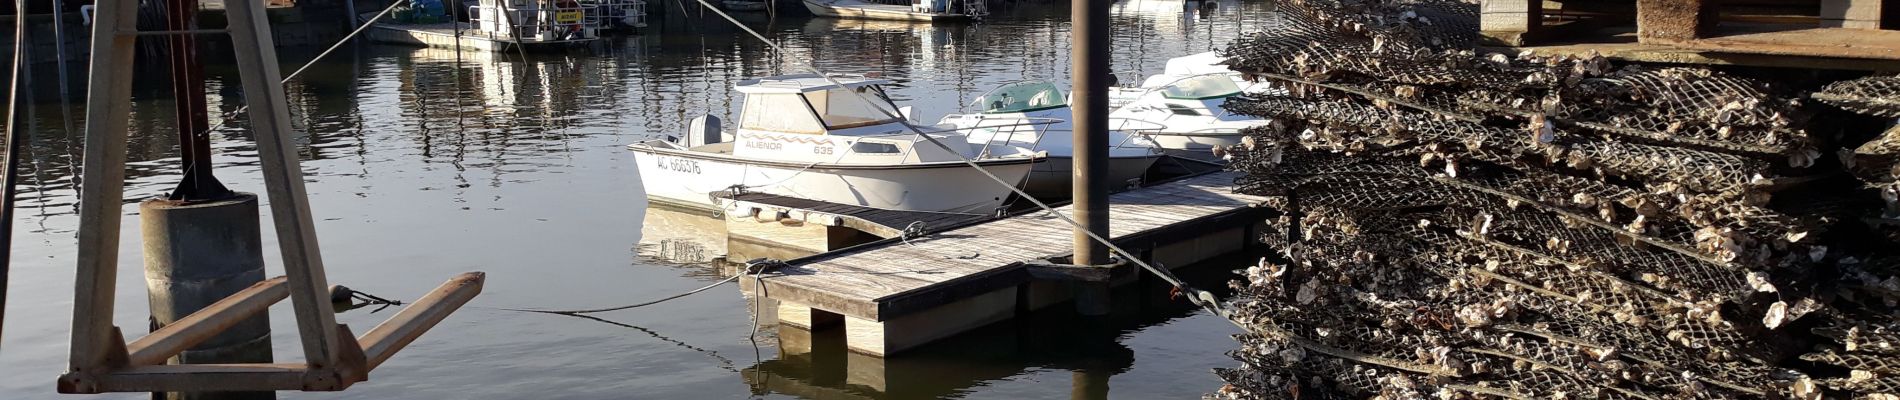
[702,131]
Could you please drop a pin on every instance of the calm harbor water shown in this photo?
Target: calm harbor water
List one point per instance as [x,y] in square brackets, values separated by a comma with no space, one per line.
[422,164]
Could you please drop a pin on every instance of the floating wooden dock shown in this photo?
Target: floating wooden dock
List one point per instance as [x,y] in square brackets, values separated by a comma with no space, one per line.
[897,294]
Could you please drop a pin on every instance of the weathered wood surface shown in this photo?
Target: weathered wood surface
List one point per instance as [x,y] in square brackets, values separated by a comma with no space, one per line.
[882,282]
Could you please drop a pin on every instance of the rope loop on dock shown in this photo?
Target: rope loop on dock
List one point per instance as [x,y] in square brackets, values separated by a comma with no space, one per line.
[916,229]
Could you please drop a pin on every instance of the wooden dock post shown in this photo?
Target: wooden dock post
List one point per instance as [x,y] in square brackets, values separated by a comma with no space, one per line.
[197,254]
[1089,67]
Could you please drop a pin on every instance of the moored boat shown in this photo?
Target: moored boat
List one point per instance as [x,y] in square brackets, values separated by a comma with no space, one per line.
[1036,115]
[1190,110]
[803,136]
[923,10]
[496,25]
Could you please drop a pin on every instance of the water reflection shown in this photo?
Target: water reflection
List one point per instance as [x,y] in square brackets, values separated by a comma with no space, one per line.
[422,163]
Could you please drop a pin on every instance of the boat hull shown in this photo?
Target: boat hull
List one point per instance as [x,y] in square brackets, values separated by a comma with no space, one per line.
[1196,142]
[875,11]
[747,6]
[1052,179]
[445,38]
[685,177]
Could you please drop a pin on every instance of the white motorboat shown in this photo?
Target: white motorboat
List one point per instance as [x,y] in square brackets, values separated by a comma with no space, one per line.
[1189,108]
[1212,63]
[917,10]
[1036,116]
[803,136]
[495,25]
[1203,63]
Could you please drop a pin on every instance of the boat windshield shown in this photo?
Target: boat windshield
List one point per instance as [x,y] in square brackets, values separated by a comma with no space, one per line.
[840,109]
[1202,87]
[1022,97]
[778,112]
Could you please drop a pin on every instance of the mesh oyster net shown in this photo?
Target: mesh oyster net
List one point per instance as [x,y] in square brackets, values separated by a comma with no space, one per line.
[1469,224]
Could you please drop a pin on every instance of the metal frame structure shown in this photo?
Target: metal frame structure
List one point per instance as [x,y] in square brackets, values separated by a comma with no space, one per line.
[101,360]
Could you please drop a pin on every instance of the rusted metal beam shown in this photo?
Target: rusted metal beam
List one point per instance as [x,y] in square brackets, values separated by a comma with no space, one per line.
[155,348]
[383,341]
[197,183]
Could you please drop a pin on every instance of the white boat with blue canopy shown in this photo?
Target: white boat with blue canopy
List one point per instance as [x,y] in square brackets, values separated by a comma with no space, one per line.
[1190,110]
[1212,63]
[805,136]
[1035,115]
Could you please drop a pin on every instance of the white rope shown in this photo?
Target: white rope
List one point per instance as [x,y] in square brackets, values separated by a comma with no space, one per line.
[232,116]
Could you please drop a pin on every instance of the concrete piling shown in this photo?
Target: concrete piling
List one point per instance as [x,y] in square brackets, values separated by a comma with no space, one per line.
[196,254]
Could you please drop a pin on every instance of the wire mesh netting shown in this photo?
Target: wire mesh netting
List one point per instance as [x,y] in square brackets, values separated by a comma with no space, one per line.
[1464,224]
[1874,95]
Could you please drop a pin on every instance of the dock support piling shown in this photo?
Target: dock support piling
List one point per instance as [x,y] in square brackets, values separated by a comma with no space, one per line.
[197,254]
[1090,190]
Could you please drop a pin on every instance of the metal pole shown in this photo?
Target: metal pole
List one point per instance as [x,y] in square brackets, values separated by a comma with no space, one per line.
[188,94]
[59,46]
[19,113]
[1089,70]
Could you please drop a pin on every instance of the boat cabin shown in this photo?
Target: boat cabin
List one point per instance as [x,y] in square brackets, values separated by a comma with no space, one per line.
[1168,96]
[1022,97]
[535,20]
[807,118]
[1035,115]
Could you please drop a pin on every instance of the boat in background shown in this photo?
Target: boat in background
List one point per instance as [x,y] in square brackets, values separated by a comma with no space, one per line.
[495,25]
[805,137]
[1036,115]
[1190,110]
[916,10]
[618,15]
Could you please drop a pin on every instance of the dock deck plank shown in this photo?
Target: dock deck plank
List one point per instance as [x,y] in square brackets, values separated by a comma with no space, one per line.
[861,282]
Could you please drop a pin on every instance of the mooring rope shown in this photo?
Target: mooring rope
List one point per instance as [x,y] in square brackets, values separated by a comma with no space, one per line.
[755,268]
[1199,297]
[629,306]
[232,115]
[917,229]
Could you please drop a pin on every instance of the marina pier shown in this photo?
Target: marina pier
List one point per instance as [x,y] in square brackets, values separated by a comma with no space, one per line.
[898,294]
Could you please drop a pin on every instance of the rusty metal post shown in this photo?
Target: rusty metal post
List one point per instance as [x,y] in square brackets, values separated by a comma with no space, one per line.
[1089,70]
[19,114]
[188,94]
[202,242]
